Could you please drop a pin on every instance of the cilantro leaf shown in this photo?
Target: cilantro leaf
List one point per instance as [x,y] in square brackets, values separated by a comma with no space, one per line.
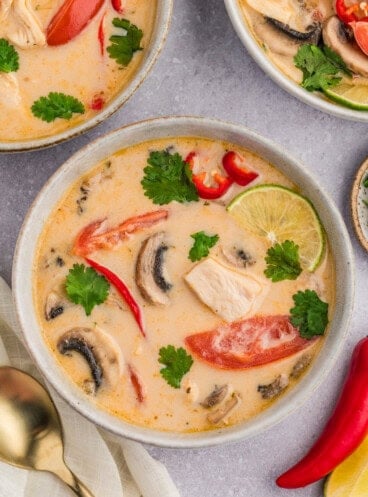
[177,363]
[321,67]
[365,182]
[9,58]
[86,287]
[122,47]
[283,262]
[57,105]
[202,245]
[310,314]
[167,177]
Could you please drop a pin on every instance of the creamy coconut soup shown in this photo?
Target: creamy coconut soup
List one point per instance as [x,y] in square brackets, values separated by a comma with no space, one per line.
[62,61]
[320,44]
[184,284]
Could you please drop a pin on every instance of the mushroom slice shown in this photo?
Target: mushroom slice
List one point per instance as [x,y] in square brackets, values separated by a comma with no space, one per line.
[100,351]
[273,389]
[300,366]
[150,271]
[313,35]
[237,256]
[225,410]
[54,306]
[336,37]
[217,395]
[295,16]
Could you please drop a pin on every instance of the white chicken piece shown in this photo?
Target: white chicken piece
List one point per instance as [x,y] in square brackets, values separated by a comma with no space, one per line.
[9,90]
[20,25]
[227,292]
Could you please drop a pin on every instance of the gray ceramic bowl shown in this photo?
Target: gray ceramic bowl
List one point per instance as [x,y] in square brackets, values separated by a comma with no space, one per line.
[159,34]
[316,100]
[159,128]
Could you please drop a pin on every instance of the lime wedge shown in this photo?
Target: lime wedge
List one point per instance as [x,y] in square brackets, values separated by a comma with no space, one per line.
[352,96]
[276,213]
[350,478]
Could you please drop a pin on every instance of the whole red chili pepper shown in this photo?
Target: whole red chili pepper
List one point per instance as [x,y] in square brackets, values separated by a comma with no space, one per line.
[344,431]
[234,165]
[123,290]
[204,191]
[118,5]
[348,14]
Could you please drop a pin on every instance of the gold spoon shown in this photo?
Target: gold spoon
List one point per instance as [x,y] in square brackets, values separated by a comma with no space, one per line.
[30,429]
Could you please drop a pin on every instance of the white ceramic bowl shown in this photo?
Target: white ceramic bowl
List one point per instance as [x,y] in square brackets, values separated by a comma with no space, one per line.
[86,158]
[316,100]
[159,34]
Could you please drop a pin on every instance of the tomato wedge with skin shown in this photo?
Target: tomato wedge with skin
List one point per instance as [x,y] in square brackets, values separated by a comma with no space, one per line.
[72,17]
[360,30]
[91,238]
[248,343]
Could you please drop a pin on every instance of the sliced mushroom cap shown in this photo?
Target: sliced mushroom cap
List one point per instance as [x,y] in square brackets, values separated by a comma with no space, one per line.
[300,366]
[336,37]
[217,395]
[312,35]
[99,349]
[150,271]
[224,411]
[237,256]
[274,389]
[54,306]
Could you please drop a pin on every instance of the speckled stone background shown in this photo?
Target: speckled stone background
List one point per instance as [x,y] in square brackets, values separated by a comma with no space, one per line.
[205,70]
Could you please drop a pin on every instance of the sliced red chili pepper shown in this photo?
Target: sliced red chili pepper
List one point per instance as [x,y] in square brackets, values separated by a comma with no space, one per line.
[235,166]
[344,431]
[90,239]
[97,103]
[118,5]
[122,289]
[101,34]
[72,17]
[137,383]
[204,191]
[349,13]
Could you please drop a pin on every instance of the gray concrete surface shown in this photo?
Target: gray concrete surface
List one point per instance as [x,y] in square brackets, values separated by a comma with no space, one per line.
[205,70]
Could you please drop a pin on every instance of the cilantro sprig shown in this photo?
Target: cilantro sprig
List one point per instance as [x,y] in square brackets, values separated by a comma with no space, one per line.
[86,287]
[283,262]
[57,105]
[123,46]
[322,67]
[9,58]
[177,363]
[202,245]
[309,314]
[167,178]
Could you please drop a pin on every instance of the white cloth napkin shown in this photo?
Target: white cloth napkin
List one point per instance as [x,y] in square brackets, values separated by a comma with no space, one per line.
[108,465]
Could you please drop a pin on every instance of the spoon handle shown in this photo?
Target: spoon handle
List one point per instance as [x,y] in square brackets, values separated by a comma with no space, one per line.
[80,489]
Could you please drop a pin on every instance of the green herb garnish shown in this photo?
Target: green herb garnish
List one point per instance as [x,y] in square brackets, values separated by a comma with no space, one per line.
[310,314]
[321,67]
[122,47]
[283,262]
[57,105]
[167,178]
[86,287]
[9,58]
[365,182]
[177,363]
[202,245]
[365,202]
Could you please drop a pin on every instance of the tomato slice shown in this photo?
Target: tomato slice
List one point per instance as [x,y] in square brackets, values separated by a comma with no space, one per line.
[72,17]
[248,343]
[360,29]
[91,238]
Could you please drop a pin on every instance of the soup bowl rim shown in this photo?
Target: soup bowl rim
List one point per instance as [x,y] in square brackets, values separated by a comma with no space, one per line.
[177,126]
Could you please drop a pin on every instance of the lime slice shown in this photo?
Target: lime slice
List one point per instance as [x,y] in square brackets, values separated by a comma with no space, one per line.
[350,478]
[277,214]
[352,96]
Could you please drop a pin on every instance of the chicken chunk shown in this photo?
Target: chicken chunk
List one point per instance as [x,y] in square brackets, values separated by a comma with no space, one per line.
[229,293]
[20,25]
[9,90]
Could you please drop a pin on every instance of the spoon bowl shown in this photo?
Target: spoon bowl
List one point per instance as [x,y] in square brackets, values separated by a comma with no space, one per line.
[31,435]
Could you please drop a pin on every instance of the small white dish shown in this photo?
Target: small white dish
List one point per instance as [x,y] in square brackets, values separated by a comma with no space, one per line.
[88,157]
[316,100]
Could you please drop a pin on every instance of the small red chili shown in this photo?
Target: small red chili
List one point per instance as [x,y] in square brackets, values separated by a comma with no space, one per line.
[101,34]
[234,165]
[223,183]
[344,431]
[97,103]
[136,383]
[122,289]
[118,5]
[349,13]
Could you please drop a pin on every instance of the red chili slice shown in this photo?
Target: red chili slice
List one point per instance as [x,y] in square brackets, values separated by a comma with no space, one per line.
[349,13]
[118,5]
[90,239]
[248,343]
[136,383]
[235,166]
[101,34]
[97,103]
[72,17]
